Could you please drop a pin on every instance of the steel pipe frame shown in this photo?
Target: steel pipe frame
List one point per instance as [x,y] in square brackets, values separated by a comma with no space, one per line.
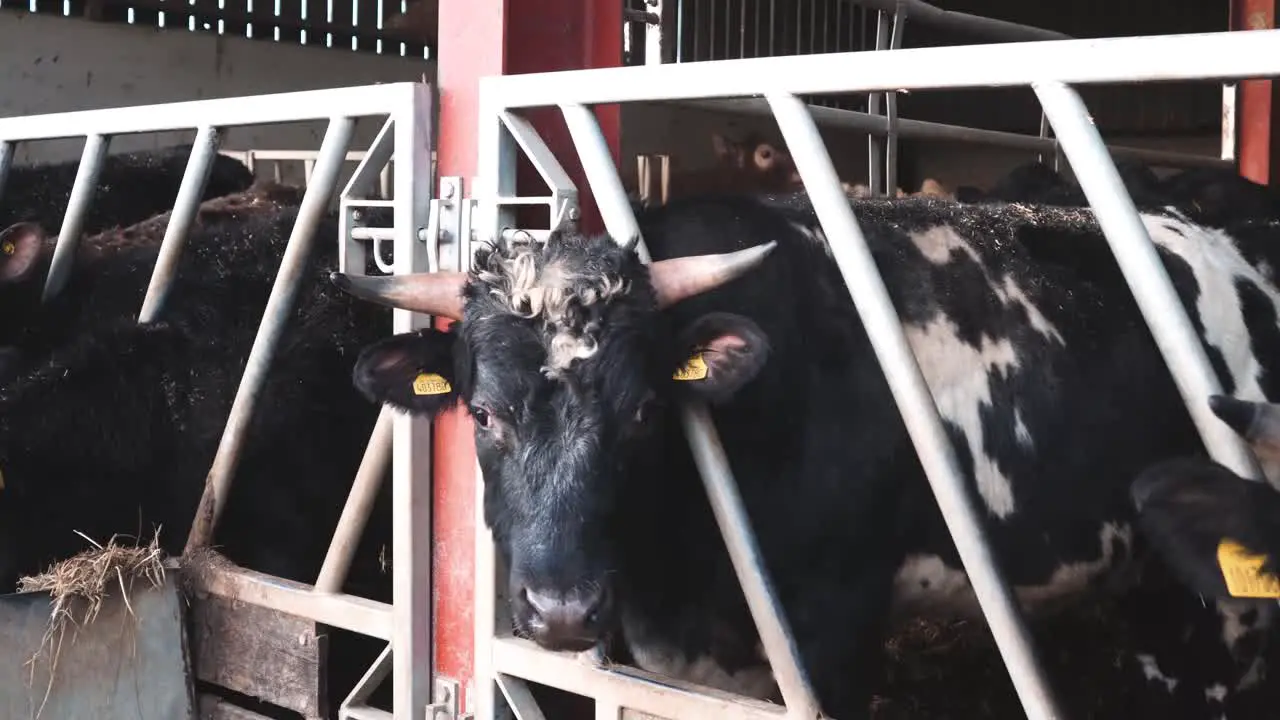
[82,189]
[1156,59]
[404,101]
[1202,56]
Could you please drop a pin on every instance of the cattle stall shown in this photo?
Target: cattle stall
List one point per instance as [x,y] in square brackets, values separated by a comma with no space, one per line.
[492,115]
[404,112]
[1050,69]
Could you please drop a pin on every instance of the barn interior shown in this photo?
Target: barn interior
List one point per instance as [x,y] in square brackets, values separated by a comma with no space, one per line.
[88,54]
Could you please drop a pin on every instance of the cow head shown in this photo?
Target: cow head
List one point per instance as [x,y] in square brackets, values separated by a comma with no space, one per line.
[1217,531]
[565,361]
[23,260]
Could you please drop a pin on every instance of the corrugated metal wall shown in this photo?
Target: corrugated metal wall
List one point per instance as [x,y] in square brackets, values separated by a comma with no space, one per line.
[397,27]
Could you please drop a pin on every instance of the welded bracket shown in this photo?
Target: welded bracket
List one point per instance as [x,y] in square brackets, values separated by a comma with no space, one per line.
[448,704]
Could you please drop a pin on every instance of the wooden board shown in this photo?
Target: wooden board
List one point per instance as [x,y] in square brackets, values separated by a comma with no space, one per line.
[272,656]
[130,663]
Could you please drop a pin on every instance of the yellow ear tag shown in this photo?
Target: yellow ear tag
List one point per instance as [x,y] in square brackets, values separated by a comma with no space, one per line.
[8,247]
[430,384]
[1242,572]
[695,368]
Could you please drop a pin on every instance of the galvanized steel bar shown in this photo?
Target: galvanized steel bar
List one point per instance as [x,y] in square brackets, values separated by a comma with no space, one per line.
[748,562]
[82,190]
[875,142]
[1144,272]
[411,661]
[7,151]
[185,206]
[1222,55]
[925,130]
[519,698]
[712,464]
[891,113]
[360,101]
[355,513]
[914,401]
[372,161]
[603,178]
[279,307]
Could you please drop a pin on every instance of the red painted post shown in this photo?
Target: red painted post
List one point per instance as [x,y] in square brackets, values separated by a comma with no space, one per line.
[474,42]
[1254,97]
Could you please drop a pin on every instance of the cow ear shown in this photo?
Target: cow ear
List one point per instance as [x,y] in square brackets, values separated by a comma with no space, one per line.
[723,352]
[411,371]
[20,246]
[1216,531]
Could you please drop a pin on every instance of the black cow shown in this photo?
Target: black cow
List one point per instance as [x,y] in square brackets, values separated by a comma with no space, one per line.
[131,188]
[1219,535]
[1048,381]
[111,269]
[1213,197]
[110,426]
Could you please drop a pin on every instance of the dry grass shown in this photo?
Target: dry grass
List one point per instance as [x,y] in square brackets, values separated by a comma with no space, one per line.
[79,585]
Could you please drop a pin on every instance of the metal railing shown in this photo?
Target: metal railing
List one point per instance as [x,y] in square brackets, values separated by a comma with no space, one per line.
[881,121]
[1048,68]
[406,134]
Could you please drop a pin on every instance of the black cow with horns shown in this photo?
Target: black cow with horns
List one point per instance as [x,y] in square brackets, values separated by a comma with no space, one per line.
[573,356]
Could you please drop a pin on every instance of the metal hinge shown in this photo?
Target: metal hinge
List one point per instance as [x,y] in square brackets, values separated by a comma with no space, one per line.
[448,702]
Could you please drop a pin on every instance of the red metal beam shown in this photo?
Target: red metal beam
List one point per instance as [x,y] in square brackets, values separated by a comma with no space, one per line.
[1254,98]
[474,42]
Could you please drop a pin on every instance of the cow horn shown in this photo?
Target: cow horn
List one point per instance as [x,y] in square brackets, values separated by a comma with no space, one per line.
[437,293]
[679,278]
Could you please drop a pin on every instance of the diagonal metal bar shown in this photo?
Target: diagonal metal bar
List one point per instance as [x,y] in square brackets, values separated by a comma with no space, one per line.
[1144,272]
[914,401]
[279,308]
[82,191]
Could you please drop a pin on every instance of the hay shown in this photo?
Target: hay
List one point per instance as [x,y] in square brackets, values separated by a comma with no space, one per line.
[79,585]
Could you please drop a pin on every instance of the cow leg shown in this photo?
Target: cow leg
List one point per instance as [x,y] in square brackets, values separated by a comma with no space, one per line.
[1193,658]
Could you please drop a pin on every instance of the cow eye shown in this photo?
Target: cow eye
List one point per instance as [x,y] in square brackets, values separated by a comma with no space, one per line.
[480,415]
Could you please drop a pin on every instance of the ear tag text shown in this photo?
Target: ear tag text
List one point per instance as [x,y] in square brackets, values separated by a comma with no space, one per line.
[1243,574]
[695,368]
[430,384]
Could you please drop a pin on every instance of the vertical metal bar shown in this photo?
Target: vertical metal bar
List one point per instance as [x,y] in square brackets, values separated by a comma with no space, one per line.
[742,31]
[7,150]
[653,34]
[279,307]
[185,206]
[497,178]
[891,111]
[601,174]
[1229,95]
[748,563]
[355,513]
[91,161]
[1142,269]
[411,613]
[680,11]
[875,146]
[914,401]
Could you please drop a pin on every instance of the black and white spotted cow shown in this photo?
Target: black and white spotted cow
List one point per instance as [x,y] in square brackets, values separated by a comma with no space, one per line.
[1219,535]
[572,357]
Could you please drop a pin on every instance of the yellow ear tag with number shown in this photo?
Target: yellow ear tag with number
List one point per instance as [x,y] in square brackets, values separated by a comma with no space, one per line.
[1243,574]
[8,247]
[695,368]
[430,384]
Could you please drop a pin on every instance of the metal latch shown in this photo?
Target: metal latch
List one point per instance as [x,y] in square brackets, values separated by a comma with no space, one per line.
[448,702]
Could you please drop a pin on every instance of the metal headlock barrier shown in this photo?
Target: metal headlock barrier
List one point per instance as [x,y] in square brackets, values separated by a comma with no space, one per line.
[881,121]
[1049,68]
[402,440]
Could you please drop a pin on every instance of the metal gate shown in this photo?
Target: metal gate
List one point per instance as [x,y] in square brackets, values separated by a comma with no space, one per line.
[406,132]
[1049,69]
